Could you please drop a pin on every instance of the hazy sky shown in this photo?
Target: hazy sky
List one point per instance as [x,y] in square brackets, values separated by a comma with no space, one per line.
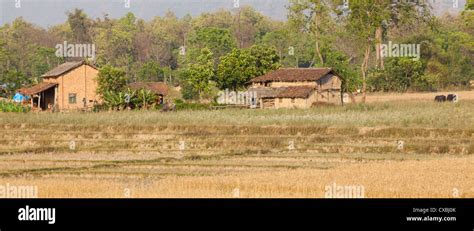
[51,12]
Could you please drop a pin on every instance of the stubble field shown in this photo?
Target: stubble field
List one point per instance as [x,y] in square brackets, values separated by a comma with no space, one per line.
[244,153]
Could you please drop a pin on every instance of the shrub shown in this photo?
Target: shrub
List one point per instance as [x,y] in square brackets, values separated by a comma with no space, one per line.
[13,107]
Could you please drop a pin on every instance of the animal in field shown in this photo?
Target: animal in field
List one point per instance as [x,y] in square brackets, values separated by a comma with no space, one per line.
[452,98]
[440,98]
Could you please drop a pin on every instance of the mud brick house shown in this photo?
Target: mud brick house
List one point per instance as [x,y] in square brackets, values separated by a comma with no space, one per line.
[70,86]
[158,88]
[297,88]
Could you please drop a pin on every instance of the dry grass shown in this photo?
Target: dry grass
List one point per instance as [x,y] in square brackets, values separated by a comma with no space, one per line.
[138,154]
[429,178]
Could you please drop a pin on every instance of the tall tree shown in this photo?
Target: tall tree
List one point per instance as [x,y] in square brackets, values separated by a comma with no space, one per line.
[201,73]
[80,26]
[314,17]
[364,20]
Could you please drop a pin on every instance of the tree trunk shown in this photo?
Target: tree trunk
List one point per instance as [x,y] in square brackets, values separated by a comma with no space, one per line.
[352,97]
[318,51]
[378,47]
[364,67]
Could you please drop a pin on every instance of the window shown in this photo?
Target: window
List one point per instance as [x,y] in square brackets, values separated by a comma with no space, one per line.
[72,98]
[281,100]
[292,100]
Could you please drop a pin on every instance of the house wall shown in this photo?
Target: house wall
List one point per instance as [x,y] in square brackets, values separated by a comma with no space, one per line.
[267,103]
[296,102]
[329,97]
[81,81]
[329,82]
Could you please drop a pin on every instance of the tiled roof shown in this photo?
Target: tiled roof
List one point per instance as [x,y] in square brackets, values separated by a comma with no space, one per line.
[293,75]
[296,92]
[38,88]
[63,68]
[155,87]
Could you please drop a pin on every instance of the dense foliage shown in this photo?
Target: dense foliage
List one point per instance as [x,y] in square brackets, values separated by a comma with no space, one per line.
[225,49]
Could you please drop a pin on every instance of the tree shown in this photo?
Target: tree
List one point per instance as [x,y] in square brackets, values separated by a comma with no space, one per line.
[249,26]
[364,20]
[150,71]
[241,65]
[115,42]
[12,80]
[266,59]
[235,69]
[312,16]
[202,72]
[80,26]
[218,40]
[400,74]
[111,79]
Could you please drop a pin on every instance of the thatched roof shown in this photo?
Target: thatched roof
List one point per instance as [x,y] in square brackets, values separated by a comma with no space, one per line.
[64,68]
[37,88]
[158,88]
[293,75]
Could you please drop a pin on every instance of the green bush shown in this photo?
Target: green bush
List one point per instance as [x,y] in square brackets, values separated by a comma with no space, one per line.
[13,107]
[139,99]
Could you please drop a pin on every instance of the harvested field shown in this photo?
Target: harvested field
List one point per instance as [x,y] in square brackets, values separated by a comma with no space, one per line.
[259,153]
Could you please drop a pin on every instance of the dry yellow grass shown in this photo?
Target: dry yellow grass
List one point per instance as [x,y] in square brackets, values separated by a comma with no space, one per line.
[429,96]
[436,178]
[274,153]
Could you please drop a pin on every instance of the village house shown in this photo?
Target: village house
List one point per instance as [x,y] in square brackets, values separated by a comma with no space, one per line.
[70,86]
[297,88]
[160,89]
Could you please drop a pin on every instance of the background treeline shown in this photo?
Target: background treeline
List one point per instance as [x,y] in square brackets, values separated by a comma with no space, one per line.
[224,49]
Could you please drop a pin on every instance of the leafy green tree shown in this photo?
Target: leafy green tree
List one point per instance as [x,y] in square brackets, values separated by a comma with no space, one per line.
[202,72]
[241,65]
[314,17]
[151,72]
[111,79]
[115,41]
[400,74]
[13,79]
[218,40]
[266,59]
[235,69]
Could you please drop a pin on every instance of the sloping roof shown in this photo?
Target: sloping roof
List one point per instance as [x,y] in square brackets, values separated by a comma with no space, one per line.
[158,88]
[293,75]
[38,88]
[296,92]
[64,68]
